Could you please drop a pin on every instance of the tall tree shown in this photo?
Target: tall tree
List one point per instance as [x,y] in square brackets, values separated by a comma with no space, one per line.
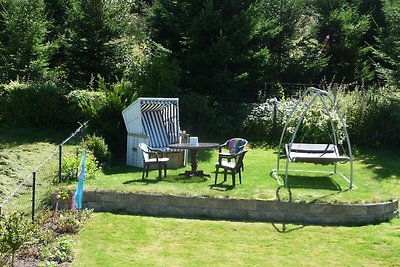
[387,50]
[286,32]
[211,40]
[88,42]
[24,50]
[346,27]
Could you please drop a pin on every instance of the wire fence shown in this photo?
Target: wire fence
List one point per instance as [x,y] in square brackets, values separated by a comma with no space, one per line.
[32,192]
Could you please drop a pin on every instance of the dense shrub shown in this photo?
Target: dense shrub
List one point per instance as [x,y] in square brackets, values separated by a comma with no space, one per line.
[60,250]
[82,102]
[71,164]
[266,120]
[98,146]
[32,104]
[105,113]
[372,116]
[261,120]
[15,230]
[50,242]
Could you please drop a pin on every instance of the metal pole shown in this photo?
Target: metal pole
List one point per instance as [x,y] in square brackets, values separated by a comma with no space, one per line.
[274,122]
[59,162]
[33,195]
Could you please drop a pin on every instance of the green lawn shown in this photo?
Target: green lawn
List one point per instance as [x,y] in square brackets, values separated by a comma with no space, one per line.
[376,175]
[123,240]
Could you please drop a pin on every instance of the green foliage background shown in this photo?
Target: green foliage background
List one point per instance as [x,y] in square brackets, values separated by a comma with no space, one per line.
[67,61]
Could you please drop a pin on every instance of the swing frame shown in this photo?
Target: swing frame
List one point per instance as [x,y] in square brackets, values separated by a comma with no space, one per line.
[314,153]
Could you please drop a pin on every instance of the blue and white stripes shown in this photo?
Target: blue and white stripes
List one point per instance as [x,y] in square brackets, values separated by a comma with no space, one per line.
[160,120]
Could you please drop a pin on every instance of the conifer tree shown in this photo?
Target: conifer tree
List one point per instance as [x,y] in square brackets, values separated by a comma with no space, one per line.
[23,48]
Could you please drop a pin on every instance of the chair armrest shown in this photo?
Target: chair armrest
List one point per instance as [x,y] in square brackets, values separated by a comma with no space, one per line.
[226,155]
[221,146]
[155,152]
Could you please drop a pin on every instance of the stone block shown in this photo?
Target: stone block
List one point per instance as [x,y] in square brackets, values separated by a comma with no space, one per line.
[89,196]
[96,206]
[265,205]
[257,215]
[105,196]
[219,214]
[241,214]
[238,209]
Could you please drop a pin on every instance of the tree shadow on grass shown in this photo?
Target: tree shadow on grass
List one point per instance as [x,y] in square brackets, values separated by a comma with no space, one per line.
[204,155]
[182,179]
[12,136]
[382,162]
[120,169]
[178,179]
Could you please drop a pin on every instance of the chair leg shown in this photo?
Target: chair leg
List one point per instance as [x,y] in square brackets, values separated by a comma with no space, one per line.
[225,174]
[233,178]
[216,175]
[242,166]
[165,170]
[144,170]
[240,176]
[159,171]
[147,171]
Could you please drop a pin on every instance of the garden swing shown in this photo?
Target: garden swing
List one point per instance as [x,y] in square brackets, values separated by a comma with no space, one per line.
[318,153]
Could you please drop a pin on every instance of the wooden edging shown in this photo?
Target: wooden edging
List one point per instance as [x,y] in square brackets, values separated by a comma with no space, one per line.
[238,209]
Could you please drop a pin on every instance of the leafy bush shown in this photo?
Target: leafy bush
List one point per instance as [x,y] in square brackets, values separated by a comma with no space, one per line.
[266,119]
[372,116]
[261,120]
[103,108]
[15,230]
[60,251]
[316,126]
[71,164]
[98,146]
[51,240]
[32,104]
[82,102]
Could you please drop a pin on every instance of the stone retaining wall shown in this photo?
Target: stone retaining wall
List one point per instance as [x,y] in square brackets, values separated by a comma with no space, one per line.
[240,209]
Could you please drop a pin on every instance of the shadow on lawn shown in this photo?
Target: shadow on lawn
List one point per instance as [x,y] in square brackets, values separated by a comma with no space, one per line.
[314,182]
[120,169]
[181,179]
[12,136]
[382,162]
[285,229]
[221,187]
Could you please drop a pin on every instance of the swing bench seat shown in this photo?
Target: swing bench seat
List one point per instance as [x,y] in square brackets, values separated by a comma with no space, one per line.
[314,153]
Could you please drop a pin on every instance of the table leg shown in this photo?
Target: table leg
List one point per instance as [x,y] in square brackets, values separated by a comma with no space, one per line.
[193,160]
[194,170]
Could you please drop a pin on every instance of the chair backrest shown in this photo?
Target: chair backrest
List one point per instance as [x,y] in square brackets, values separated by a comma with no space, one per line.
[235,145]
[144,149]
[239,159]
[153,124]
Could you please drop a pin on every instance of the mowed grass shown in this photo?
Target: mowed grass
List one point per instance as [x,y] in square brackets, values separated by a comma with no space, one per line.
[376,175]
[22,150]
[123,240]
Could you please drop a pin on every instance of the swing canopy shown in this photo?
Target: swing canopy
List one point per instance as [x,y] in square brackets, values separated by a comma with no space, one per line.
[317,153]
